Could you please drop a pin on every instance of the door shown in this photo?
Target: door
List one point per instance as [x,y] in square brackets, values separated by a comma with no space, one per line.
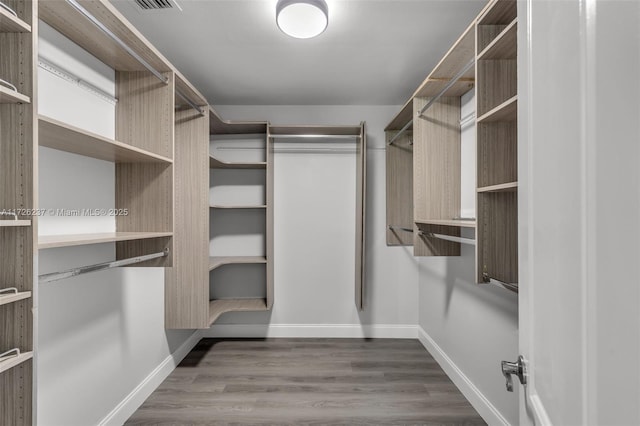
[579,211]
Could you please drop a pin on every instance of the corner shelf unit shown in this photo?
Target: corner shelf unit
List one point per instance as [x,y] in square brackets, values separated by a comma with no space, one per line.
[18,144]
[220,129]
[424,164]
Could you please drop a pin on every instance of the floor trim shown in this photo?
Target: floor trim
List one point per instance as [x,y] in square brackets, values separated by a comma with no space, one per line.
[482,405]
[388,331]
[125,409]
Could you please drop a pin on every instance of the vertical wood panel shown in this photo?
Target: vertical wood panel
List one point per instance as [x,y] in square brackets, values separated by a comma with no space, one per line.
[270,216]
[497,82]
[399,189]
[497,236]
[497,153]
[361,203]
[187,282]
[436,172]
[16,388]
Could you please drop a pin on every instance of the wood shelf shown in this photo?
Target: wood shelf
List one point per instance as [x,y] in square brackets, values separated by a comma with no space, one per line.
[14,223]
[217,206]
[506,111]
[503,187]
[504,46]
[499,12]
[14,297]
[448,222]
[14,361]
[214,163]
[217,261]
[68,240]
[64,137]
[220,306]
[8,96]
[11,24]
[300,130]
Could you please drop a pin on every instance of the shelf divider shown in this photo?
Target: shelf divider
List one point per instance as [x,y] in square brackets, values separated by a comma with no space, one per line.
[503,187]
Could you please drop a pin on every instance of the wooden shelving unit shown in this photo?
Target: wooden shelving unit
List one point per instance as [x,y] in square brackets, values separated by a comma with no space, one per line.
[69,240]
[220,306]
[64,137]
[8,96]
[18,144]
[497,141]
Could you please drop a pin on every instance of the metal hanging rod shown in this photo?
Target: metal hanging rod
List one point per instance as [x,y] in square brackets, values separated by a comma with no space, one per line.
[8,9]
[447,87]
[314,136]
[115,38]
[55,276]
[13,290]
[8,354]
[9,85]
[501,284]
[190,102]
[400,228]
[449,238]
[400,132]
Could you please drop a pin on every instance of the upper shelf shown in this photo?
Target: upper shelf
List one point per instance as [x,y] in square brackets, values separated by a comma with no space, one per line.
[14,361]
[303,130]
[217,261]
[500,12]
[8,96]
[14,223]
[506,111]
[53,241]
[504,46]
[12,24]
[218,126]
[58,135]
[214,163]
[13,297]
[460,54]
[502,187]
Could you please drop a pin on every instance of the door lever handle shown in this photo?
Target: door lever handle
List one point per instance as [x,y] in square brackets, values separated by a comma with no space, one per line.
[517,368]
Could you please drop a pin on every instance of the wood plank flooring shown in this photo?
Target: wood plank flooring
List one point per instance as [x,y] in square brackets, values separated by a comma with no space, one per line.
[307,382]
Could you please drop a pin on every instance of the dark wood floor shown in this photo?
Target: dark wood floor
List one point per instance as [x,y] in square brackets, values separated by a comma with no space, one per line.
[307,381]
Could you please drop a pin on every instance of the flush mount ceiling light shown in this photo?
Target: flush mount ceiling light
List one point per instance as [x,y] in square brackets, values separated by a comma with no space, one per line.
[302,18]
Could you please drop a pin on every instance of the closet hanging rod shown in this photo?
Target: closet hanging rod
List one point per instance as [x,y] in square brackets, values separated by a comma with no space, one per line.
[8,9]
[400,228]
[8,353]
[190,102]
[449,238]
[117,39]
[401,131]
[13,290]
[55,276]
[310,136]
[453,81]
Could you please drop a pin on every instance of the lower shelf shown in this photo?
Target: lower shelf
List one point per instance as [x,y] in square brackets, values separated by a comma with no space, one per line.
[220,306]
[13,297]
[217,261]
[14,361]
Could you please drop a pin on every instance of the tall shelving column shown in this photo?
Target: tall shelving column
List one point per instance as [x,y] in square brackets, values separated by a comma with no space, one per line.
[18,157]
[232,211]
[497,157]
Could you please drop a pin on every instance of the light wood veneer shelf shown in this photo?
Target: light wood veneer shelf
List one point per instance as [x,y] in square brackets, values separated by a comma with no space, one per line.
[214,163]
[503,187]
[14,223]
[506,111]
[9,363]
[217,206]
[448,222]
[64,137]
[504,46]
[11,24]
[8,96]
[14,297]
[220,306]
[53,241]
[217,261]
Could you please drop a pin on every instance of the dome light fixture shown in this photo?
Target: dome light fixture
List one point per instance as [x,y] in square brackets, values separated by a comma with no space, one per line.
[302,18]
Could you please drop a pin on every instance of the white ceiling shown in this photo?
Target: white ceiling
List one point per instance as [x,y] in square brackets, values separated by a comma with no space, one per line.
[374,52]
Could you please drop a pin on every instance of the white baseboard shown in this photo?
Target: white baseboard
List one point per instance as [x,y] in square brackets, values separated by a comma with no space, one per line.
[128,406]
[391,331]
[482,405]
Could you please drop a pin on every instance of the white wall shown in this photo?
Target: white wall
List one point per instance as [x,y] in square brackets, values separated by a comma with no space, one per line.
[474,326]
[315,239]
[101,334]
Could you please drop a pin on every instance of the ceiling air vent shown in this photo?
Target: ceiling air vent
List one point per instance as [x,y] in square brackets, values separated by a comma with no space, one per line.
[156,4]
